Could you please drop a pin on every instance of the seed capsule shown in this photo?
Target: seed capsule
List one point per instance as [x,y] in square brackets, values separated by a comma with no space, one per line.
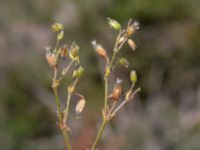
[132,28]
[124,62]
[74,50]
[114,24]
[64,51]
[51,58]
[99,49]
[133,77]
[117,91]
[80,106]
[78,72]
[132,44]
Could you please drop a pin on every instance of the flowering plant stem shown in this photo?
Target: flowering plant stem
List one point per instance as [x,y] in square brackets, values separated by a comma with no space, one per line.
[105,120]
[64,132]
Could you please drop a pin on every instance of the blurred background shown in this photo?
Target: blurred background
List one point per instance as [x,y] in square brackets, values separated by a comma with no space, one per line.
[164,116]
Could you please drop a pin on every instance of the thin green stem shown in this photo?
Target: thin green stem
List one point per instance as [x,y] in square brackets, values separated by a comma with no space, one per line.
[113,106]
[68,102]
[124,102]
[66,139]
[112,59]
[65,134]
[99,134]
[66,70]
[106,94]
[55,90]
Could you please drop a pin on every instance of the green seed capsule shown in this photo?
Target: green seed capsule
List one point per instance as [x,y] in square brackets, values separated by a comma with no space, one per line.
[133,77]
[78,72]
[114,24]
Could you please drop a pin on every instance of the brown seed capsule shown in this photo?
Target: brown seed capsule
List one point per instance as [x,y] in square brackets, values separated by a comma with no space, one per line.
[132,44]
[80,106]
[132,28]
[64,51]
[51,59]
[117,91]
[99,49]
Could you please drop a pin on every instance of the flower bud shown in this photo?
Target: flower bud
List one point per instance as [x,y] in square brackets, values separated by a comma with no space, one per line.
[60,35]
[80,106]
[56,27]
[124,62]
[78,72]
[114,24]
[132,44]
[133,77]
